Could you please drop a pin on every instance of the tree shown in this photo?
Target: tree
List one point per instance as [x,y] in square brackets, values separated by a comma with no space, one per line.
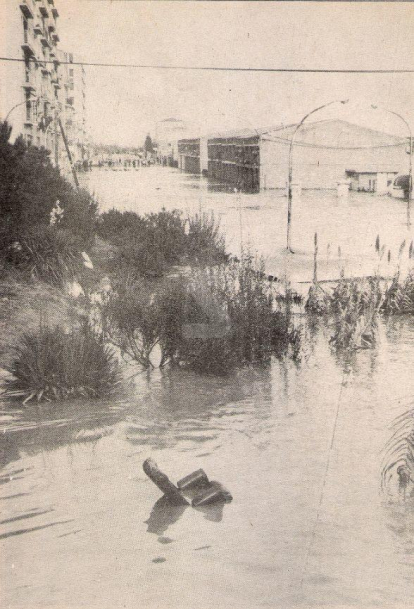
[148,146]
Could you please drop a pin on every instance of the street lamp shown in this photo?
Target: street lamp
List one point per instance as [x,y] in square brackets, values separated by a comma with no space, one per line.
[16,106]
[290,171]
[410,170]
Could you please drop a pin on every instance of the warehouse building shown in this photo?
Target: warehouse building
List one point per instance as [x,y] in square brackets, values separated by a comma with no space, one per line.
[192,155]
[325,154]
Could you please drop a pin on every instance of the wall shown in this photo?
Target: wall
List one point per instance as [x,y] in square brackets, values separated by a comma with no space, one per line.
[315,167]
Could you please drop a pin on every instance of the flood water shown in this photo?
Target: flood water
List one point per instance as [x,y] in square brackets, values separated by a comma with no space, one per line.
[258,221]
[298,445]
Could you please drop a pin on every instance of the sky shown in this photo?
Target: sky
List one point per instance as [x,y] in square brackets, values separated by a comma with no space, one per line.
[124,104]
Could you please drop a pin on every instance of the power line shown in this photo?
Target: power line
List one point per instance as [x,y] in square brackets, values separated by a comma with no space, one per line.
[213,68]
[286,141]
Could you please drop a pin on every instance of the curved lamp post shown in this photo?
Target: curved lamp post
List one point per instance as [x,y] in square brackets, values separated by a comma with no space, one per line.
[292,141]
[410,170]
[17,106]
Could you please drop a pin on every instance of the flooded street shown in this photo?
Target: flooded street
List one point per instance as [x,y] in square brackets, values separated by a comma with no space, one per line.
[308,525]
[299,446]
[258,221]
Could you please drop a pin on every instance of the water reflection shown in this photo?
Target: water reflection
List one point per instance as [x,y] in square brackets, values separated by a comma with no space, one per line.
[163,515]
[265,433]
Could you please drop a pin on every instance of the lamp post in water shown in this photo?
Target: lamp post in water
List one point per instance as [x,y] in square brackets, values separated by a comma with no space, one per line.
[290,170]
[410,170]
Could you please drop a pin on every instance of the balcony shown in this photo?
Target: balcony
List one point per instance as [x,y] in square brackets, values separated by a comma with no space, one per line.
[45,42]
[43,10]
[38,30]
[27,8]
[27,46]
[55,37]
[30,82]
[55,12]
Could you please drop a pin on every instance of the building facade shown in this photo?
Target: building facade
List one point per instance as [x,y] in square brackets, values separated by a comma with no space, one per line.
[325,155]
[36,93]
[328,152]
[168,133]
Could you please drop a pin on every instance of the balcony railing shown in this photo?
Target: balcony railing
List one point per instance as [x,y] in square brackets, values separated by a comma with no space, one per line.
[27,8]
[43,10]
[27,45]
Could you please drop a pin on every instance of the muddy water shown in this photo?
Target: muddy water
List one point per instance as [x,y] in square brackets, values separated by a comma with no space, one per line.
[299,446]
[258,221]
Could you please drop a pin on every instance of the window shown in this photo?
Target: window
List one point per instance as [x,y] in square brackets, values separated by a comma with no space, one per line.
[28,107]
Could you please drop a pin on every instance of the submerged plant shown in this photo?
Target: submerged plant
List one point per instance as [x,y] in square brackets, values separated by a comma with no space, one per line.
[54,364]
[399,454]
[399,297]
[354,306]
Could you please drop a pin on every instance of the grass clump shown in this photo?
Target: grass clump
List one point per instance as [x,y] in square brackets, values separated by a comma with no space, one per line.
[54,364]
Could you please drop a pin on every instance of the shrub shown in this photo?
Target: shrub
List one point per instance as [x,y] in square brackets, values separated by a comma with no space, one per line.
[138,315]
[29,189]
[217,318]
[46,253]
[148,246]
[205,244]
[54,365]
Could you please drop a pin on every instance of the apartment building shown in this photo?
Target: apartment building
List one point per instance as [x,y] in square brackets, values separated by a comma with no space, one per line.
[72,102]
[41,88]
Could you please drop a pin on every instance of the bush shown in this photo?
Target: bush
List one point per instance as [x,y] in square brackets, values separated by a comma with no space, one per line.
[54,365]
[220,317]
[45,253]
[29,189]
[148,246]
[138,315]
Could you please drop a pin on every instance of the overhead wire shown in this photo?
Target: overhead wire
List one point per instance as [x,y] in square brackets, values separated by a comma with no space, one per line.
[218,68]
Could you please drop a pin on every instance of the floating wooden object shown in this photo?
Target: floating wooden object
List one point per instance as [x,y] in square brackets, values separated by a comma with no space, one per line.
[213,493]
[163,482]
[196,479]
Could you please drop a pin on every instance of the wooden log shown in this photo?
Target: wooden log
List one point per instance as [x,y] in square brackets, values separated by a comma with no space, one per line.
[213,493]
[163,482]
[197,479]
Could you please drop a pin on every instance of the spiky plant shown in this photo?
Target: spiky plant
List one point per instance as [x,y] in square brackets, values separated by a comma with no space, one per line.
[54,364]
[399,453]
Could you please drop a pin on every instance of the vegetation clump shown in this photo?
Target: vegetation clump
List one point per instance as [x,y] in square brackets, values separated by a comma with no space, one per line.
[55,364]
[215,319]
[148,246]
[398,458]
[30,189]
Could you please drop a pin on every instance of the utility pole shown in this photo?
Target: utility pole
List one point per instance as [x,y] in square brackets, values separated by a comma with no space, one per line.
[290,170]
[75,177]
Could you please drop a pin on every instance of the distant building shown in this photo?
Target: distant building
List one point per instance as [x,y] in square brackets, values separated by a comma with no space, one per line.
[168,132]
[40,90]
[325,154]
[72,99]
[28,89]
[193,155]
